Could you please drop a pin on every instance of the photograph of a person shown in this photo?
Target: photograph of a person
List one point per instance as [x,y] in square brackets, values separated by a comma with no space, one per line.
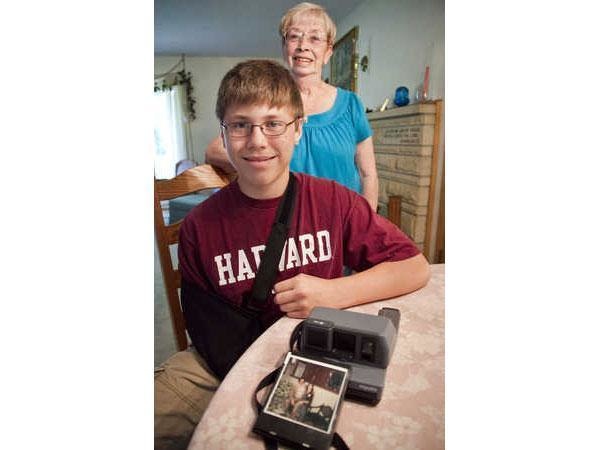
[308,392]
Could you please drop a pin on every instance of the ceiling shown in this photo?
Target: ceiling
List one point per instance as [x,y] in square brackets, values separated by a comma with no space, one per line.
[227,27]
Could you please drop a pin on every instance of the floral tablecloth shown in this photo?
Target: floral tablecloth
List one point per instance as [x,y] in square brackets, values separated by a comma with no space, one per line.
[410,414]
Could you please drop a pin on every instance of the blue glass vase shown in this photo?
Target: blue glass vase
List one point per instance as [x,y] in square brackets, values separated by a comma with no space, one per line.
[401,97]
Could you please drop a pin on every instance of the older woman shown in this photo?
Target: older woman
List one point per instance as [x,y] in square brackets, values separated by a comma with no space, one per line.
[336,140]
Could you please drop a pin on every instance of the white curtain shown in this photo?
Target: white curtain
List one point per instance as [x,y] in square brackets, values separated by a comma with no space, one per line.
[170,131]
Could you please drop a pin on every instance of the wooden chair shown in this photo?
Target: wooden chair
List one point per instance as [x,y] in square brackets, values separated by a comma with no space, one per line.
[192,180]
[395,210]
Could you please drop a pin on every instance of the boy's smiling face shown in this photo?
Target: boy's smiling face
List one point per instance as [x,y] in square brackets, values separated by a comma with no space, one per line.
[262,162]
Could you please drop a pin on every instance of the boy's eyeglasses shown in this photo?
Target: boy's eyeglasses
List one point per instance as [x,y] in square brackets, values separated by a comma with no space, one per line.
[244,129]
[294,37]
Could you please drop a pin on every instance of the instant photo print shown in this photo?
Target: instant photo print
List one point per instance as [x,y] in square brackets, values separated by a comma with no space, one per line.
[303,405]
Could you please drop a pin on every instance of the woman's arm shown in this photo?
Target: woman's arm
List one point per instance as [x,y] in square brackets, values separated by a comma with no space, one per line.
[216,155]
[365,161]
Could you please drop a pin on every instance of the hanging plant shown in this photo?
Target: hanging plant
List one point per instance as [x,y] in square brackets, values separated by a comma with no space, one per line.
[185,79]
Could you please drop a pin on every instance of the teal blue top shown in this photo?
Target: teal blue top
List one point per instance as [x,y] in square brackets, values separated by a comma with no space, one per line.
[328,144]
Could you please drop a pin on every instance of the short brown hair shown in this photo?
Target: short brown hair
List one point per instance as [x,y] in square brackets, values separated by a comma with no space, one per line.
[259,81]
[307,8]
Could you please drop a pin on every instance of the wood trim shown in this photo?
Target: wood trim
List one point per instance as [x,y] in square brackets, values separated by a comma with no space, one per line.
[440,244]
[433,178]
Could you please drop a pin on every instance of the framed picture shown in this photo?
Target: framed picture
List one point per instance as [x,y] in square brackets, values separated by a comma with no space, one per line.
[344,61]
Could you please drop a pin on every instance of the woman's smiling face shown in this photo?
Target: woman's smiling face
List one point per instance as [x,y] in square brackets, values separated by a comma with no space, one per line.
[306,48]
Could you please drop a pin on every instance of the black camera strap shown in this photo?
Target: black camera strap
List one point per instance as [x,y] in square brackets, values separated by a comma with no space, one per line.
[266,274]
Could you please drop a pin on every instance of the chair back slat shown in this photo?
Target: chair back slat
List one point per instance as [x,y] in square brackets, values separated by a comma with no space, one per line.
[192,180]
[172,233]
[177,278]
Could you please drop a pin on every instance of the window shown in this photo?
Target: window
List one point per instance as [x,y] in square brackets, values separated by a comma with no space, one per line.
[170,130]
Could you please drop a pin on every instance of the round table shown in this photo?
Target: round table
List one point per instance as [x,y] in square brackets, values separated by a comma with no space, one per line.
[410,414]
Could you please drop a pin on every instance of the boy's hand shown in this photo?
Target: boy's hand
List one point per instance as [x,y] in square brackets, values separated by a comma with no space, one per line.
[297,296]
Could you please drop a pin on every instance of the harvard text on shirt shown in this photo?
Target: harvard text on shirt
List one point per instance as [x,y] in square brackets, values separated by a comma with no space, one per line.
[300,251]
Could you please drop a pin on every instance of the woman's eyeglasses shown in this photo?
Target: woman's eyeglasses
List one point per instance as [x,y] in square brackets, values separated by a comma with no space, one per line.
[294,37]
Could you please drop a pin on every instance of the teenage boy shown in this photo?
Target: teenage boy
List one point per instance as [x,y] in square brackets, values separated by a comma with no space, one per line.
[222,240]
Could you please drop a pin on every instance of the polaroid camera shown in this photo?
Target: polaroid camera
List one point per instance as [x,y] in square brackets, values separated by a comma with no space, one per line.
[362,342]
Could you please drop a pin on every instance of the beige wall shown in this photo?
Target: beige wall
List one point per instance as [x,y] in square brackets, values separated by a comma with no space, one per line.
[400,38]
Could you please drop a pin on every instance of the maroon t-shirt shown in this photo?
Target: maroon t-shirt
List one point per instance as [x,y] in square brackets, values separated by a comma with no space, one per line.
[222,240]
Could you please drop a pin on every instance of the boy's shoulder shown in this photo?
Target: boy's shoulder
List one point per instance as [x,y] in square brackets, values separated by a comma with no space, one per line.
[228,200]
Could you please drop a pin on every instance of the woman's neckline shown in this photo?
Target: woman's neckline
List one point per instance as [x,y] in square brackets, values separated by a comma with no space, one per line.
[325,117]
[324,91]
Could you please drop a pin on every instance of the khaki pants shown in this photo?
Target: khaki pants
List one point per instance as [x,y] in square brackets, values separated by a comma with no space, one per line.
[183,387]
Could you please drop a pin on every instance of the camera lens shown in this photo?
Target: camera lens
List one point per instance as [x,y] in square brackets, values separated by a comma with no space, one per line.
[367,350]
[344,344]
[317,338]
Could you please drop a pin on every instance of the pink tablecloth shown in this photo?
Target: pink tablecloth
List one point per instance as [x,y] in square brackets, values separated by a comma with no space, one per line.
[410,414]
